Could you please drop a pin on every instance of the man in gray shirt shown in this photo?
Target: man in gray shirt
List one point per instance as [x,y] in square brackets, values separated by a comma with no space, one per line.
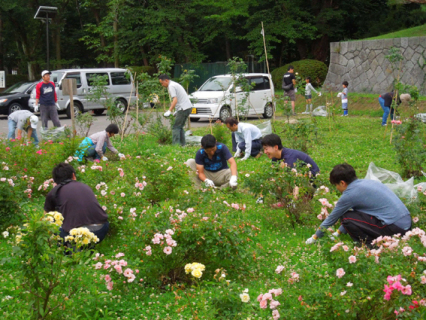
[376,210]
[23,120]
[182,104]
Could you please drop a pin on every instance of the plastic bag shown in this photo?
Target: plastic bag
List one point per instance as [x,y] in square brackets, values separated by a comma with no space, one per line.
[405,190]
[265,128]
[193,140]
[320,111]
[421,117]
[54,134]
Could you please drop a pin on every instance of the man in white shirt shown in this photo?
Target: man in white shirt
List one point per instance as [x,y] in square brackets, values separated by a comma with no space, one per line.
[182,104]
[246,138]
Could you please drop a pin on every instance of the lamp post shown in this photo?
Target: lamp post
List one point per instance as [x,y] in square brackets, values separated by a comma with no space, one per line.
[46,14]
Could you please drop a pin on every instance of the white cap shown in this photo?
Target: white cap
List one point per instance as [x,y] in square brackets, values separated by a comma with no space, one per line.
[45,72]
[34,121]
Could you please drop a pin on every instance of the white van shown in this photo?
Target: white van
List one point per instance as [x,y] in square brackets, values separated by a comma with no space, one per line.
[119,86]
[216,98]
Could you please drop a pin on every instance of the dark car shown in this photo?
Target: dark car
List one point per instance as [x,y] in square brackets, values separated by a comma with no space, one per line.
[16,97]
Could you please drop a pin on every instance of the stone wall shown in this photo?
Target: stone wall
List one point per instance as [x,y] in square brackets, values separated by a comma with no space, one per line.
[364,66]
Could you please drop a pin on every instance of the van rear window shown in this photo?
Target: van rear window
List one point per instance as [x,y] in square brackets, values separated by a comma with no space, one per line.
[90,77]
[118,78]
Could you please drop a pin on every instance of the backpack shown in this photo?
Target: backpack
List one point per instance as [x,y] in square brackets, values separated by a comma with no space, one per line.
[287,87]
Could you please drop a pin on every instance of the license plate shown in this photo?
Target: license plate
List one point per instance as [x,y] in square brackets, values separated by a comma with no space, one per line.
[194,110]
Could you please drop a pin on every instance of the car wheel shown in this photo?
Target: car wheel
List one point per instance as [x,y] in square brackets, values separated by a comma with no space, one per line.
[78,109]
[121,105]
[98,112]
[269,111]
[194,119]
[225,113]
[14,107]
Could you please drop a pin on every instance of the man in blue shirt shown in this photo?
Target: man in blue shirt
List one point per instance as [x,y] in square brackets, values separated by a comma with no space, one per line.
[211,164]
[376,210]
[245,138]
[275,151]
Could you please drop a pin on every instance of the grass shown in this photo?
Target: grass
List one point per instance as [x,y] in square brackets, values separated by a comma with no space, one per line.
[356,140]
[419,31]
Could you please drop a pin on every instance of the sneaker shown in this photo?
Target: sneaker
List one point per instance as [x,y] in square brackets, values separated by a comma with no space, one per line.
[259,155]
[345,115]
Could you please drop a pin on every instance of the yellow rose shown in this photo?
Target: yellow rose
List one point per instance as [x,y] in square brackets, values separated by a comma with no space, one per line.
[86,241]
[196,273]
[188,268]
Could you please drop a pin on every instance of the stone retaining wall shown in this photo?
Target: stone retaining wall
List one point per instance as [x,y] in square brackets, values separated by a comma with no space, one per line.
[364,66]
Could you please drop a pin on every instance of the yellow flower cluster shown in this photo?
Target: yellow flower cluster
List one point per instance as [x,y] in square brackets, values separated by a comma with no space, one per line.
[54,217]
[81,236]
[196,269]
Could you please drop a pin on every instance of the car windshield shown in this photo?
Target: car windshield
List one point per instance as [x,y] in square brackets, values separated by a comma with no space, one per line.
[20,87]
[216,84]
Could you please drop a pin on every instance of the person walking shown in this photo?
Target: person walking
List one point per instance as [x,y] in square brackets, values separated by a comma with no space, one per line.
[23,120]
[182,104]
[289,87]
[46,97]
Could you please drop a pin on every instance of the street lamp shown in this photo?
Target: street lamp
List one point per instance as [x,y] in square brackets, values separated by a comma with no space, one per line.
[46,14]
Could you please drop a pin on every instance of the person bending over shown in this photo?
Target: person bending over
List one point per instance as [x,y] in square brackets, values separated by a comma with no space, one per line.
[76,202]
[245,138]
[367,209]
[94,146]
[211,164]
[275,151]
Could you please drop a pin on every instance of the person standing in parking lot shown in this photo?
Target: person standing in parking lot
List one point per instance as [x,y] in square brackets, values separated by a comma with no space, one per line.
[182,104]
[46,97]
[289,87]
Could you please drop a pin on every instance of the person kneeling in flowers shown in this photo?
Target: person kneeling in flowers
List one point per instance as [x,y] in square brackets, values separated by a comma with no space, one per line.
[211,164]
[76,202]
[368,209]
[94,147]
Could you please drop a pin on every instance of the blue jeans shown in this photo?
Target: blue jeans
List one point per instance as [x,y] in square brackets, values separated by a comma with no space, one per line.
[386,111]
[12,128]
[91,152]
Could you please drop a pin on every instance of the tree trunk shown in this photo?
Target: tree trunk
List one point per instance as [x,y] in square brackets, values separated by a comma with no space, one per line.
[1,45]
[115,28]
[301,47]
[228,48]
[58,47]
[321,48]
[102,38]
[145,60]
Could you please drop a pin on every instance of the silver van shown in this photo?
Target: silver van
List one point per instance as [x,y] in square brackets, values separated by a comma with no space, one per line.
[119,86]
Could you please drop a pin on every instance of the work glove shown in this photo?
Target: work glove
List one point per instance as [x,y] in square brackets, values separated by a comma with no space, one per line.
[209,183]
[335,234]
[36,108]
[238,153]
[120,155]
[57,105]
[311,240]
[319,94]
[167,113]
[245,158]
[295,90]
[259,200]
[233,181]
[104,158]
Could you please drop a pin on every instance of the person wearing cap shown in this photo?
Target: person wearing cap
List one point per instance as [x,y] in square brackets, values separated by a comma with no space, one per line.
[46,97]
[23,120]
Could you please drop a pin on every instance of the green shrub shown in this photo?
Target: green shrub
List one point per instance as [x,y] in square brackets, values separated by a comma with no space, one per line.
[142,69]
[314,69]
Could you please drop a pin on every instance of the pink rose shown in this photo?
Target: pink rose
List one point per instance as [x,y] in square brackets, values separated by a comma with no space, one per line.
[340,272]
[109,285]
[346,248]
[259,297]
[107,278]
[352,259]
[264,304]
[128,272]
[123,194]
[423,279]
[167,250]
[131,278]
[406,290]
[118,269]
[300,298]
[274,304]
[267,296]
[275,314]
[416,219]
[98,265]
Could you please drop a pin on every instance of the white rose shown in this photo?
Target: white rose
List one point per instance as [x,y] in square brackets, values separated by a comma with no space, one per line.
[245,297]
[5,234]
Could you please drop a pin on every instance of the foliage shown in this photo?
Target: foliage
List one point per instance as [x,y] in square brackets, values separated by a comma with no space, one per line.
[300,135]
[159,130]
[221,133]
[314,69]
[187,77]
[83,123]
[142,69]
[409,147]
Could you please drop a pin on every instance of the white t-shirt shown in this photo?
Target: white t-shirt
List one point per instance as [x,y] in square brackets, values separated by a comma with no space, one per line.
[176,90]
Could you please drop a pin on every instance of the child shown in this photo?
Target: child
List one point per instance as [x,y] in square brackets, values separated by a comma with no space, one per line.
[344,96]
[308,95]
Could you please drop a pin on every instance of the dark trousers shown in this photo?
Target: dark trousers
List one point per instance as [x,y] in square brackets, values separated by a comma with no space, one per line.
[49,113]
[101,233]
[91,152]
[365,228]
[256,145]
[178,134]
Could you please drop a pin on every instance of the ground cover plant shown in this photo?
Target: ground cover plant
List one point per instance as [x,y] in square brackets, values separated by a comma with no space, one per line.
[175,252]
